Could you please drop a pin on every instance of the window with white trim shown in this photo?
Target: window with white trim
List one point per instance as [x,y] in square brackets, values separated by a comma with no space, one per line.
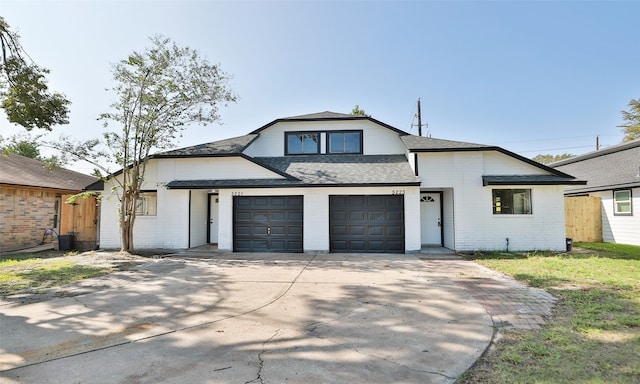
[511,201]
[147,204]
[622,202]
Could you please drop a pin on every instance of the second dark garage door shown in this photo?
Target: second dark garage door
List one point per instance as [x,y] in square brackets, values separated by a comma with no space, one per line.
[366,223]
[267,223]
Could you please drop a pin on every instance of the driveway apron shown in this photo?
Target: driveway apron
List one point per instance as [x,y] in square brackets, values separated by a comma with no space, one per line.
[250,318]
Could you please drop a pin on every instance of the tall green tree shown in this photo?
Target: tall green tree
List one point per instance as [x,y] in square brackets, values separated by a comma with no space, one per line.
[24,94]
[548,158]
[357,111]
[159,92]
[631,126]
[29,146]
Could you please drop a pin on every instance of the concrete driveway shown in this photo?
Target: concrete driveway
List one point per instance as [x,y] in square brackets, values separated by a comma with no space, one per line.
[245,318]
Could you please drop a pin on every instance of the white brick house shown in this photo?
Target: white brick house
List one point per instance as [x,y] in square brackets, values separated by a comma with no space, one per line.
[340,183]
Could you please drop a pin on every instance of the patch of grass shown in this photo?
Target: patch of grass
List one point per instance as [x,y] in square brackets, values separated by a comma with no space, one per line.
[30,273]
[594,335]
[617,251]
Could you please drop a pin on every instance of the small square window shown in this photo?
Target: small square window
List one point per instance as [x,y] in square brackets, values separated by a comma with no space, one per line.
[345,142]
[147,204]
[622,202]
[301,143]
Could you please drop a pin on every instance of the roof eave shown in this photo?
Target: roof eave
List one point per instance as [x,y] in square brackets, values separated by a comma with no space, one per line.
[345,118]
[295,185]
[541,182]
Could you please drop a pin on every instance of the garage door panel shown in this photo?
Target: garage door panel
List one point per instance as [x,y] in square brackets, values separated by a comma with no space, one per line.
[243,216]
[376,230]
[364,223]
[295,230]
[268,223]
[356,230]
[243,230]
[339,230]
[395,216]
[358,245]
[394,230]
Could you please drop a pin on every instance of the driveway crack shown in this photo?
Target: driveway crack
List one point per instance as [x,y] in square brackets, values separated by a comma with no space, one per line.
[259,378]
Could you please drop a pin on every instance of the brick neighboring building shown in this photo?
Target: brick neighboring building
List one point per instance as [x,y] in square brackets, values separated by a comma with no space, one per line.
[31,200]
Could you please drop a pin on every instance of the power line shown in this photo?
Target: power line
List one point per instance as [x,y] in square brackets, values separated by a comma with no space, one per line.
[556,149]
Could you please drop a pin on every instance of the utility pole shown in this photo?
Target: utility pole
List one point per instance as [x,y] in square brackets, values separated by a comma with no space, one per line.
[419,115]
[597,142]
[419,119]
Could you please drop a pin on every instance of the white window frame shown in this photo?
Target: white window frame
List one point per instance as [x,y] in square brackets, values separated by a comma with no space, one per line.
[616,203]
[147,203]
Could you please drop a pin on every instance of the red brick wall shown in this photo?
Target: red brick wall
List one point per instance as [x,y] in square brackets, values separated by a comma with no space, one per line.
[24,216]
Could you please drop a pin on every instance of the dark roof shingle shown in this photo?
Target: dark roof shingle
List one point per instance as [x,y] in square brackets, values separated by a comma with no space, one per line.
[322,170]
[421,143]
[234,145]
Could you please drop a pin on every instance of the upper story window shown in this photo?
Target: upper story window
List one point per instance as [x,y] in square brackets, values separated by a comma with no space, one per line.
[511,201]
[344,142]
[622,202]
[301,143]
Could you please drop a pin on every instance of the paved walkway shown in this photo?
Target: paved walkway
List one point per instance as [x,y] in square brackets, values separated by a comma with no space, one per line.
[509,303]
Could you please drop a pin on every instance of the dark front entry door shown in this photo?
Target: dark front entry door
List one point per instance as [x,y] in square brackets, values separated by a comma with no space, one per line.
[267,223]
[373,223]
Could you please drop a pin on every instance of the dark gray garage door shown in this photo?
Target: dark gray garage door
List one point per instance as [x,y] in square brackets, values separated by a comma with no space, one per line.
[267,223]
[366,223]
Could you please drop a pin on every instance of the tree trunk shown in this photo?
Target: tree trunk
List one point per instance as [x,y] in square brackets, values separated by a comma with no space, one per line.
[127,218]
[126,237]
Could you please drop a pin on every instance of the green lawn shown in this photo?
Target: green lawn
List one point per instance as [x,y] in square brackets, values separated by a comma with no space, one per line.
[594,335]
[36,272]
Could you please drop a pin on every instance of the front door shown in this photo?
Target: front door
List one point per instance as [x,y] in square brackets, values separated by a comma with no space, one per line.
[430,217]
[213,219]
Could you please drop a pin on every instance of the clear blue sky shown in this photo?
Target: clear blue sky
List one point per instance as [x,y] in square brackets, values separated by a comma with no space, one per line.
[532,77]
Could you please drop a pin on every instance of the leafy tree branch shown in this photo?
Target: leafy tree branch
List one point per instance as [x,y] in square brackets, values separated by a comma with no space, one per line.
[24,93]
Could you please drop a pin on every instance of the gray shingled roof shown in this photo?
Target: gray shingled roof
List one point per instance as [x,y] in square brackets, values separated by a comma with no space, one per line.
[420,144]
[234,145]
[610,168]
[23,171]
[328,116]
[322,115]
[344,169]
[322,170]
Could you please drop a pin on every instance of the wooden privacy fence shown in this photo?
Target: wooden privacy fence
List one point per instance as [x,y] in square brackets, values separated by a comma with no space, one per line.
[583,218]
[81,219]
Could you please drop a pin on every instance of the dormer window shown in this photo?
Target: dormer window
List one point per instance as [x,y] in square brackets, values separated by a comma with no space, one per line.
[344,142]
[302,143]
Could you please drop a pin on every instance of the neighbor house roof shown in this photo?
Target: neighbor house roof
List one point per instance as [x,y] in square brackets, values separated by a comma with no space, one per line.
[23,171]
[321,170]
[613,167]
